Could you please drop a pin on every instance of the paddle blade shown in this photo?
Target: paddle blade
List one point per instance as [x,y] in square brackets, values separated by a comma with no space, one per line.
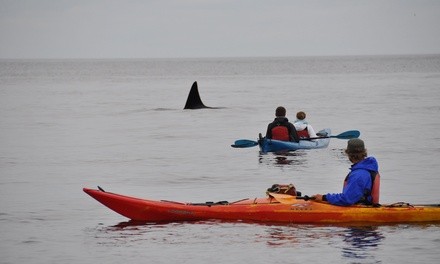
[244,143]
[348,134]
[282,198]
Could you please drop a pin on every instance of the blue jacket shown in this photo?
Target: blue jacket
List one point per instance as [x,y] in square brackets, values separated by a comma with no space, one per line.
[358,183]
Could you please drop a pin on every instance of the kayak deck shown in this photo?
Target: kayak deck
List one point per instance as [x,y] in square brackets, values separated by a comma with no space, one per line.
[287,210]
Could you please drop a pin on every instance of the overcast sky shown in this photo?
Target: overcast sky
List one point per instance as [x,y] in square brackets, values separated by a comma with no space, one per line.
[216,28]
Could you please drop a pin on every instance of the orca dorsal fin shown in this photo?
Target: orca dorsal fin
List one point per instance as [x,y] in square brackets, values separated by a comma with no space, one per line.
[194,101]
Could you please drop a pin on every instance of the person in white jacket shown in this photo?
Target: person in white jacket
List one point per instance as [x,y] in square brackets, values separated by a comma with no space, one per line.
[303,128]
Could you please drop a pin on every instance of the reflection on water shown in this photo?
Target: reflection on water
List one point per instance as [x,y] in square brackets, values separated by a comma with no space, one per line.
[361,241]
[305,158]
[130,232]
[297,158]
[357,244]
[334,243]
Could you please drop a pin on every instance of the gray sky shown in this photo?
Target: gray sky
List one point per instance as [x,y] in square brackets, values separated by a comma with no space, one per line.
[216,28]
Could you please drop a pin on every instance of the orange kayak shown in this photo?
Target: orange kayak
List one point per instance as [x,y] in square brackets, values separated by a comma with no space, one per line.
[275,208]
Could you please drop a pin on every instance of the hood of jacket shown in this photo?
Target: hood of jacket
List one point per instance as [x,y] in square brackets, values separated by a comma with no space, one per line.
[369,163]
[281,120]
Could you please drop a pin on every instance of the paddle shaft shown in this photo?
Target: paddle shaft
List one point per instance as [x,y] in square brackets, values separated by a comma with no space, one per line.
[344,135]
[305,198]
[319,137]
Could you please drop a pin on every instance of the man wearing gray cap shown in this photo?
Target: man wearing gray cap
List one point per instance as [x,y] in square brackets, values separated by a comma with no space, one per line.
[362,183]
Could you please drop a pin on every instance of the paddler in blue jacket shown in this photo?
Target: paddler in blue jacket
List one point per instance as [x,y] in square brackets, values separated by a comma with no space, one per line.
[361,186]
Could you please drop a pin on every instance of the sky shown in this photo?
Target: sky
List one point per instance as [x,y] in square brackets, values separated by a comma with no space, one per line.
[217,28]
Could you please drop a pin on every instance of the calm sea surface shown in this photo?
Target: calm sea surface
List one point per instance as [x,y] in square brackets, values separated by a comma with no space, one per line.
[120,124]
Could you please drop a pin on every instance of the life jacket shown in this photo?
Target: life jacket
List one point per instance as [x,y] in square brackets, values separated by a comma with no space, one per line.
[304,134]
[374,192]
[280,133]
[375,179]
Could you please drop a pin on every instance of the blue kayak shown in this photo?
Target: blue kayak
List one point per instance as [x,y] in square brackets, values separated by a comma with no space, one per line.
[272,145]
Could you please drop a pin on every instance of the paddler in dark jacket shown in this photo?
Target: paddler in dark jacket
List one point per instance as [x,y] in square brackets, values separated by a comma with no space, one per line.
[362,183]
[281,128]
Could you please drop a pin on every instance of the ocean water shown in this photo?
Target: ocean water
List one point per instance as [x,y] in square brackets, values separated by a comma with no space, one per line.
[120,124]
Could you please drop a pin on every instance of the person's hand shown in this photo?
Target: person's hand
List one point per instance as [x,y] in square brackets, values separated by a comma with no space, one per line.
[317,197]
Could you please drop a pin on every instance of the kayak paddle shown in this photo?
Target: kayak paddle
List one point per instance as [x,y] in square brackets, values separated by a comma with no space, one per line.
[247,143]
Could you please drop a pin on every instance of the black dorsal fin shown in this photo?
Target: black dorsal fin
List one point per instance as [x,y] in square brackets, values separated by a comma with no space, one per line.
[194,101]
